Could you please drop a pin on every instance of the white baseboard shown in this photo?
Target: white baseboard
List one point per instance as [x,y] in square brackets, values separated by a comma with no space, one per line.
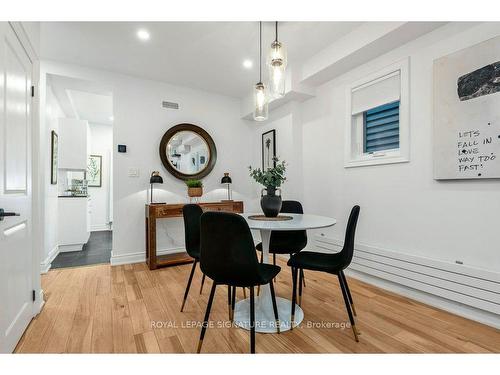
[100,227]
[39,303]
[68,248]
[463,290]
[139,257]
[47,262]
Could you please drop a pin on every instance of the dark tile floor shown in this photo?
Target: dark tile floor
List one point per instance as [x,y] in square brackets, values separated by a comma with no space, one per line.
[96,250]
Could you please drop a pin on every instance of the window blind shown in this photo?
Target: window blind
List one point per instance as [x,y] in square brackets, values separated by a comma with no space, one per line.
[381,128]
[386,89]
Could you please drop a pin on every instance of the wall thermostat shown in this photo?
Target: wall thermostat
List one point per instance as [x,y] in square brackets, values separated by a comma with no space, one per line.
[122,148]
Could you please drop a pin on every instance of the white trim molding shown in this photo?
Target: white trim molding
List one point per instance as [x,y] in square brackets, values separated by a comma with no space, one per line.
[100,227]
[353,151]
[23,37]
[463,290]
[47,262]
[39,303]
[140,257]
[68,248]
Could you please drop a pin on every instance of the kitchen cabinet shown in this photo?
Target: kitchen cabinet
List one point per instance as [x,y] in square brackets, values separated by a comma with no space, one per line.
[74,223]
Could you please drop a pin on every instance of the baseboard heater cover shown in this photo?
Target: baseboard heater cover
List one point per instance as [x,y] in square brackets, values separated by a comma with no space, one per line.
[466,285]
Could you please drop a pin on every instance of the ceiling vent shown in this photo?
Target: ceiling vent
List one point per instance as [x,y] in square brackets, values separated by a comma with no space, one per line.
[170,105]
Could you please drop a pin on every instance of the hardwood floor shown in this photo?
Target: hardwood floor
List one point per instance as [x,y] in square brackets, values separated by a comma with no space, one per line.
[130,309]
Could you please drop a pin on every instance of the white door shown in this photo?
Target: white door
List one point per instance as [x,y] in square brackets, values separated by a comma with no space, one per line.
[16,290]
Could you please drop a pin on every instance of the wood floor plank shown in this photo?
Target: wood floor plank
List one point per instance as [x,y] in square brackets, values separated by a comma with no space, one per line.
[102,327]
[130,309]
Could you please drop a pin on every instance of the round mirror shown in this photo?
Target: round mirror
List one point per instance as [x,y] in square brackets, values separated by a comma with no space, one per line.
[188,151]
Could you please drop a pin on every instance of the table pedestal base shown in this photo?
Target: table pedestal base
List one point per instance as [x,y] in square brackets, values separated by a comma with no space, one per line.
[264,316]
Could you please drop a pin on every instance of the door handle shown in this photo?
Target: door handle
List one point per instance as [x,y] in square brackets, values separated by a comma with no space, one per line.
[4,214]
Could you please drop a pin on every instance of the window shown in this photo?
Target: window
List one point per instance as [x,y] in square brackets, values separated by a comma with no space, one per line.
[381,128]
[378,118]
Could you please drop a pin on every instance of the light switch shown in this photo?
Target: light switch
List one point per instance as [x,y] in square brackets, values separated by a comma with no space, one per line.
[133,172]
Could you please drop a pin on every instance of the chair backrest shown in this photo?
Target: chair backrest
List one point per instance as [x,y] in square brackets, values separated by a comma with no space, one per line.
[227,249]
[192,215]
[348,249]
[289,241]
[291,207]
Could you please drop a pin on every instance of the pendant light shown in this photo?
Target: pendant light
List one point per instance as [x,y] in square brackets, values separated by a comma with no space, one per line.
[277,61]
[260,112]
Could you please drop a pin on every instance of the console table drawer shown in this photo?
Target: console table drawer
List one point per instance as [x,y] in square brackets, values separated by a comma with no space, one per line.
[219,207]
[168,211]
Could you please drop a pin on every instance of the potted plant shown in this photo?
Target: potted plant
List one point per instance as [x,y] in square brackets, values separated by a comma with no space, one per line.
[195,188]
[271,179]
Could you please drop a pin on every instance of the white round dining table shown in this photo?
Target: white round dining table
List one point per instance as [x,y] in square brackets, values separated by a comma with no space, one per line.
[264,315]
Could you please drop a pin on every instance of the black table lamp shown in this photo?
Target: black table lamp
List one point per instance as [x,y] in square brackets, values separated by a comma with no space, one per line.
[155,179]
[227,180]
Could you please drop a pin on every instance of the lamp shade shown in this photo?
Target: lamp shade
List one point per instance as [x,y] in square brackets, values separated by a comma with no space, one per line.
[226,179]
[156,178]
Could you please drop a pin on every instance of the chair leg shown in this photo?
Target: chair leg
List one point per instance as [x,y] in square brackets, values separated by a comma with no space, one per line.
[275,307]
[244,292]
[301,275]
[188,285]
[294,295]
[233,302]
[229,301]
[348,308]
[274,263]
[207,316]
[261,261]
[202,283]
[348,293]
[252,320]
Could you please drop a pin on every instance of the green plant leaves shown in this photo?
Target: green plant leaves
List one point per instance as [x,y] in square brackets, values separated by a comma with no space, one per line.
[272,177]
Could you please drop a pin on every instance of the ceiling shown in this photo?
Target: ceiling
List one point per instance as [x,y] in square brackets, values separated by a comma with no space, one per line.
[202,55]
[83,100]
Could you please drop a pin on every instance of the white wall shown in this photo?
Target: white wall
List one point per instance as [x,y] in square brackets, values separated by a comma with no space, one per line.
[140,122]
[101,143]
[286,122]
[49,250]
[402,207]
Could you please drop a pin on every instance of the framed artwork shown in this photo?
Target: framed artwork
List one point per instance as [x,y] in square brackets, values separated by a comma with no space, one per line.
[94,171]
[466,112]
[53,157]
[268,150]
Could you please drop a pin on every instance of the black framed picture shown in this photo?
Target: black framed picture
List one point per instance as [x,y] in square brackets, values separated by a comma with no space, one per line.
[54,151]
[268,149]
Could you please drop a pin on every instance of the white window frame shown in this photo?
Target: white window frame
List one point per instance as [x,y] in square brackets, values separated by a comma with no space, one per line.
[354,155]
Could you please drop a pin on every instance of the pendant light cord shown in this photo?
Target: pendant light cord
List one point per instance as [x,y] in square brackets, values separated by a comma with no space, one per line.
[276,31]
[260,51]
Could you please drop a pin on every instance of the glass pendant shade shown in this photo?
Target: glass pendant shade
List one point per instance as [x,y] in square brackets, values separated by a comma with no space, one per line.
[261,108]
[277,62]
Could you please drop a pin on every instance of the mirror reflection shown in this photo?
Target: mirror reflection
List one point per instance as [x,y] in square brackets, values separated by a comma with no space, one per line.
[188,152]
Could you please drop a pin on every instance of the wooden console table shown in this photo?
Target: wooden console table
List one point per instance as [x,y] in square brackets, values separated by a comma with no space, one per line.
[160,211]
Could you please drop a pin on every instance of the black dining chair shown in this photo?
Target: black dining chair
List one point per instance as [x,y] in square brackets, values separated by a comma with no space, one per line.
[192,215]
[287,242]
[228,257]
[330,263]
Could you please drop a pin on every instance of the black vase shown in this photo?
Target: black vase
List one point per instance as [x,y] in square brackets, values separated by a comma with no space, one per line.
[270,202]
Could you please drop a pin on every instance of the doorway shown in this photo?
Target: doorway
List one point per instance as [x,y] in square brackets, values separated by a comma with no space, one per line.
[81,112]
